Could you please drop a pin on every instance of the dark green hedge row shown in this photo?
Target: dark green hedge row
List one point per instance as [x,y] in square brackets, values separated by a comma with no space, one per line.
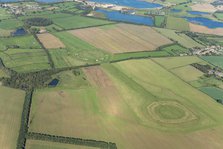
[21,141]
[70,140]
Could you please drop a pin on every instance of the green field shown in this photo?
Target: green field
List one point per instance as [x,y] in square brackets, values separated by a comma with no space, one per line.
[4,14]
[25,60]
[213,92]
[23,42]
[179,24]
[119,102]
[188,73]
[11,109]
[174,50]
[181,38]
[77,52]
[78,22]
[136,55]
[10,24]
[219,15]
[176,62]
[207,81]
[214,60]
[159,21]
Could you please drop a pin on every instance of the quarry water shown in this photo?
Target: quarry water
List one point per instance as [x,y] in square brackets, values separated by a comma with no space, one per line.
[205,22]
[130,3]
[118,16]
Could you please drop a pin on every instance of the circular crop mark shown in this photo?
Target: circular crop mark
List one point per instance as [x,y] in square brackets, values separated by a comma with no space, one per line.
[170,112]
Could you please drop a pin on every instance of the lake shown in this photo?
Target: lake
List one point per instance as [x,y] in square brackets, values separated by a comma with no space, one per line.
[197,13]
[130,3]
[205,22]
[45,1]
[118,16]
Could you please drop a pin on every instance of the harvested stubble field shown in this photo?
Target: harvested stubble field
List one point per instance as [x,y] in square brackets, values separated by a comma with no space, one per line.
[11,104]
[116,103]
[205,7]
[49,41]
[122,38]
[205,30]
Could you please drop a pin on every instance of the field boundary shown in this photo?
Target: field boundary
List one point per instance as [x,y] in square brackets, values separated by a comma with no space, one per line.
[71,140]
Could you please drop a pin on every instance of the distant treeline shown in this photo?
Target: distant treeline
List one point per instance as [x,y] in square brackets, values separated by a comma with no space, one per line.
[38,22]
[70,140]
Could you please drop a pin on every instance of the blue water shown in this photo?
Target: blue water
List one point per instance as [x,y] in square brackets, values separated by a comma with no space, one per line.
[49,1]
[197,12]
[118,16]
[130,3]
[205,22]
[19,32]
[44,1]
[176,10]
[53,83]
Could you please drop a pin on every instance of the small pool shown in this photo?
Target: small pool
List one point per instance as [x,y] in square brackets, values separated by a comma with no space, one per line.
[118,16]
[53,83]
[19,32]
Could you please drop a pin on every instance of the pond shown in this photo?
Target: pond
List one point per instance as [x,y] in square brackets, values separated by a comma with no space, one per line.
[205,22]
[118,16]
[197,12]
[19,32]
[130,3]
[53,83]
[175,10]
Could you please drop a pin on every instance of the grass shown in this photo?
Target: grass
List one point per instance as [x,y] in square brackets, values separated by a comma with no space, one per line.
[136,55]
[35,144]
[23,42]
[213,92]
[77,22]
[25,60]
[3,73]
[77,52]
[181,38]
[11,104]
[175,49]
[215,60]
[188,73]
[176,62]
[116,103]
[4,14]
[169,112]
[10,24]
[219,15]
[159,21]
[207,81]
[179,24]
